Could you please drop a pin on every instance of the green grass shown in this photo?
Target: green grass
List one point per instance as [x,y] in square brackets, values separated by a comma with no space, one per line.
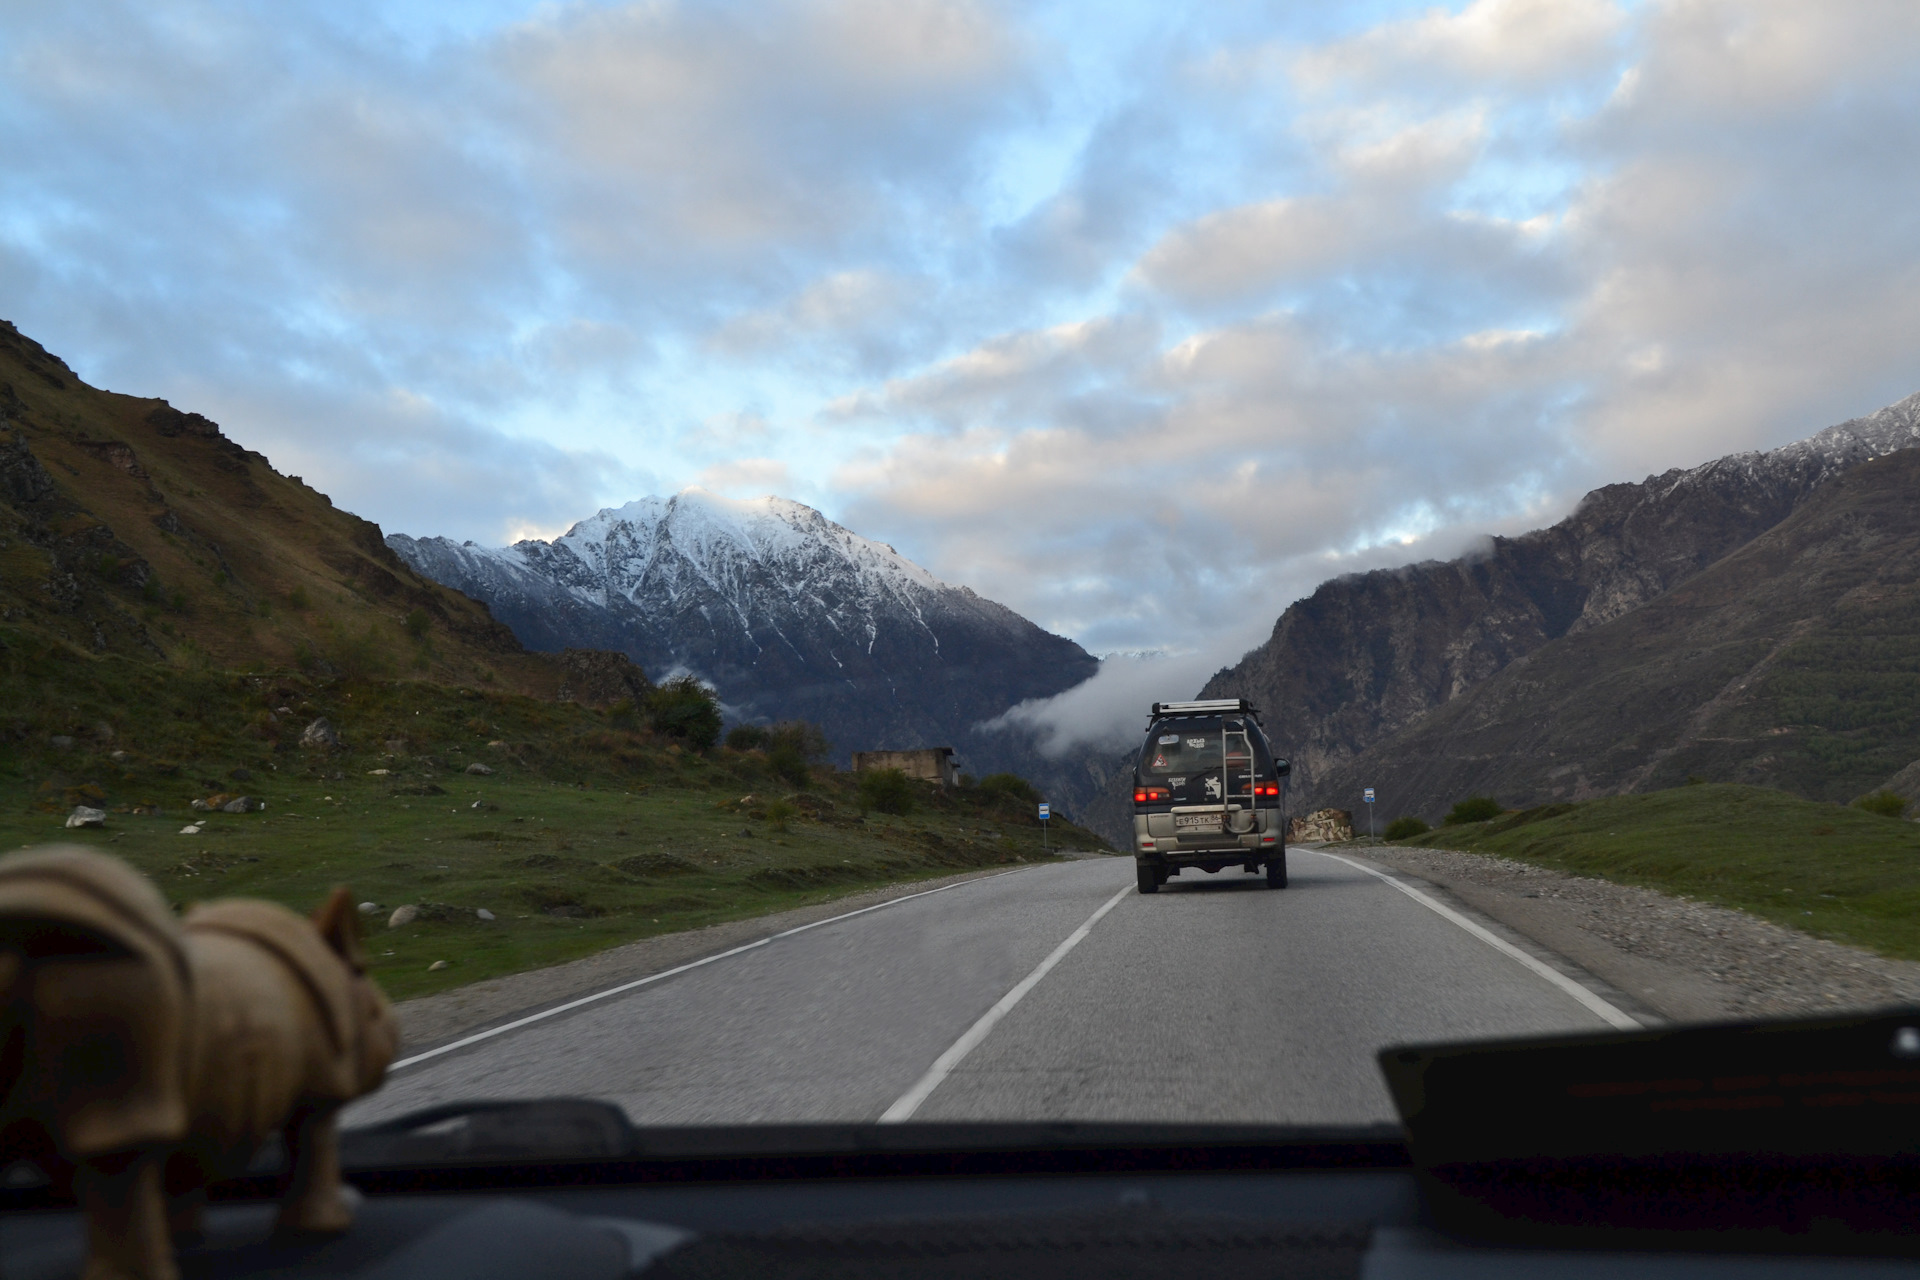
[567,870]
[1832,871]
[592,831]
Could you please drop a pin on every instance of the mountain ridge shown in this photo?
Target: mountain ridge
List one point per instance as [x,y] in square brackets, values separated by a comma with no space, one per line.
[1367,655]
[1793,663]
[134,529]
[788,614]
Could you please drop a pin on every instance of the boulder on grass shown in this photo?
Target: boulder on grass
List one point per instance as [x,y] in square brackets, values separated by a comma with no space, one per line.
[83,816]
[320,735]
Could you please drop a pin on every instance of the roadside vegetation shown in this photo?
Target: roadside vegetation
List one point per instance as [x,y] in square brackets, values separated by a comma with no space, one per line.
[1849,873]
[575,828]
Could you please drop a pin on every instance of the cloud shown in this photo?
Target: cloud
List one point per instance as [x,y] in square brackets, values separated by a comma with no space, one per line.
[678,138]
[864,321]
[747,478]
[527,225]
[1515,43]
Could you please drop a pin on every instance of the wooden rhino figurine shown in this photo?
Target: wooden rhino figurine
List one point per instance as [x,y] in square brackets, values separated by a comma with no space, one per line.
[145,1056]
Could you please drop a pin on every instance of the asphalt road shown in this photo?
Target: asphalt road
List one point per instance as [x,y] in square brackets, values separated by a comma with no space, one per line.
[1215,999]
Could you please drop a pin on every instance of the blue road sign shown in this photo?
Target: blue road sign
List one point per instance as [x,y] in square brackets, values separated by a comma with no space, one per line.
[1043,811]
[1369,795]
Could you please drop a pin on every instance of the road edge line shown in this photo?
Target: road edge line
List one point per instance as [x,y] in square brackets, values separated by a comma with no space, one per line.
[1607,1012]
[575,1003]
[909,1102]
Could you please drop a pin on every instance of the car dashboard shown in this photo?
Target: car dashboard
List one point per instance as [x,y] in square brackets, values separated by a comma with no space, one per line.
[1758,1149]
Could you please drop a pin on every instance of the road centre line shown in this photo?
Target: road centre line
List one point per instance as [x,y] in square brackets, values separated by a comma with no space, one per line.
[544,1014]
[1594,1003]
[909,1102]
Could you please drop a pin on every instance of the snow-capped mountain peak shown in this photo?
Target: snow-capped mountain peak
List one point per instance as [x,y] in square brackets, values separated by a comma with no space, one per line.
[787,613]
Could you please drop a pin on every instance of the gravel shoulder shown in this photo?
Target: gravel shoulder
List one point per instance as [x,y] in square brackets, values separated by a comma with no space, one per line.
[435,1019]
[1686,960]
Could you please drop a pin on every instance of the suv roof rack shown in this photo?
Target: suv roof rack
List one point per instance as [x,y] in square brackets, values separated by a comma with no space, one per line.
[1211,707]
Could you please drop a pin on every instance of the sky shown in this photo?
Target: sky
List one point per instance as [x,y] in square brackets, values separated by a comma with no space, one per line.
[1141,319]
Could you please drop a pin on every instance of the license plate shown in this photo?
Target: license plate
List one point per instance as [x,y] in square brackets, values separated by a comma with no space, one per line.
[1199,821]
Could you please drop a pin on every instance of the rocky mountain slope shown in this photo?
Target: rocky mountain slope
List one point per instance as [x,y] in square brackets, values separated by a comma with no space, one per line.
[787,614]
[131,528]
[1793,663]
[1366,657]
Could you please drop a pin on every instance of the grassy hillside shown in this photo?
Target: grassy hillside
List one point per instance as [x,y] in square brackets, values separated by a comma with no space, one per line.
[1833,871]
[130,528]
[174,616]
[590,830]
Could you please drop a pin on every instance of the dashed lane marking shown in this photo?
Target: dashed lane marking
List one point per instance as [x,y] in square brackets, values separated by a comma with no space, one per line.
[909,1102]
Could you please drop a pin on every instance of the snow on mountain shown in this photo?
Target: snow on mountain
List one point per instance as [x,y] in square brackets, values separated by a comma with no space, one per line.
[786,613]
[1807,463]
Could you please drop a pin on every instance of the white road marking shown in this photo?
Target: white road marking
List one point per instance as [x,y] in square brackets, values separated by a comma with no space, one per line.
[1606,1011]
[544,1014]
[909,1102]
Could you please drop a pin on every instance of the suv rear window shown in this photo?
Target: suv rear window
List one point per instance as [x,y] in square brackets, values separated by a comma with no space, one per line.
[1193,746]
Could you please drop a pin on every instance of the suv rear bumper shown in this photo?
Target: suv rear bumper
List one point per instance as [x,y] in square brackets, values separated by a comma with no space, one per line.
[1153,840]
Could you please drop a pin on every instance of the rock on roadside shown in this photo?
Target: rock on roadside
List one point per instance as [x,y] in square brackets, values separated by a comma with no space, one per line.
[1322,824]
[83,816]
[403,916]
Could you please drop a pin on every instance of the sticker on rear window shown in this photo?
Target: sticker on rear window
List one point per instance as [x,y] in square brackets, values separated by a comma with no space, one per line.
[1159,761]
[1169,739]
[1196,743]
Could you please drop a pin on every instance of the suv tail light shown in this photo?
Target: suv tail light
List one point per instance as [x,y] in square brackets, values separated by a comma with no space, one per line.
[1267,789]
[1142,795]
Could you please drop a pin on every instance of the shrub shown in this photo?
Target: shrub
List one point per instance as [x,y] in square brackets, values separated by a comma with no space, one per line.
[417,624]
[779,813]
[802,736]
[1888,804]
[746,737]
[1473,809]
[684,708]
[1406,828]
[1010,787]
[792,747]
[361,655]
[887,790]
[299,599]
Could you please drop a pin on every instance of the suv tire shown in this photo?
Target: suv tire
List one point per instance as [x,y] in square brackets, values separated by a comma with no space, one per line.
[1277,870]
[1147,876]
